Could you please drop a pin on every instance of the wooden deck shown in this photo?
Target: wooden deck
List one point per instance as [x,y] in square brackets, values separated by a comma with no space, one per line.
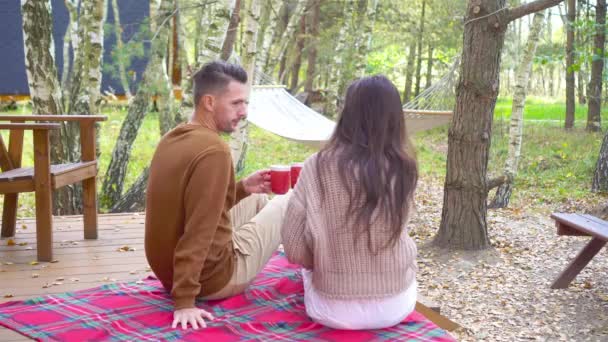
[118,255]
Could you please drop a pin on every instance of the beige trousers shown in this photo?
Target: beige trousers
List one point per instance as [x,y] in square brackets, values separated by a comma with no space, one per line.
[257,235]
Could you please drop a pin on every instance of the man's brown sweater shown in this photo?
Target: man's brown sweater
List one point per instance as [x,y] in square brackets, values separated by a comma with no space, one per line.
[191,188]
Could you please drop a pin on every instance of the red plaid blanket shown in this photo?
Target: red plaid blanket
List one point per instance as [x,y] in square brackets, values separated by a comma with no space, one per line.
[271,309]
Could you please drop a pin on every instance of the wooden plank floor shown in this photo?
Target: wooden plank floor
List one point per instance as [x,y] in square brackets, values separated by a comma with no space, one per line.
[79,263]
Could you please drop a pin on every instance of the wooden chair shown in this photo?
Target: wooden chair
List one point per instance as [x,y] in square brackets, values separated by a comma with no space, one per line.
[43,178]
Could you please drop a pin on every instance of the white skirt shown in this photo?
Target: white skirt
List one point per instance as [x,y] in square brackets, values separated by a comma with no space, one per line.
[357,314]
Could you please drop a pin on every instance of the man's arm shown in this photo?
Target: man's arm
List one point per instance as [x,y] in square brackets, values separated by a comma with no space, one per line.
[204,199]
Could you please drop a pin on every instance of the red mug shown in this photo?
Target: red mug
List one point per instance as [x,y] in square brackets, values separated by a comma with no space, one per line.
[280,179]
[296,168]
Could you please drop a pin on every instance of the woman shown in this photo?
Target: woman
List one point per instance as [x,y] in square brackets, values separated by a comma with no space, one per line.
[345,222]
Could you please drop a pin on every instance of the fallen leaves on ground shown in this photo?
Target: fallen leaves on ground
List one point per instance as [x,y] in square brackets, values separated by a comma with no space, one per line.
[125,249]
[504,294]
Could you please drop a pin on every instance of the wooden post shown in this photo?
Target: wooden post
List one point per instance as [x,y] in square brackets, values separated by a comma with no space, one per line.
[89,185]
[9,211]
[43,192]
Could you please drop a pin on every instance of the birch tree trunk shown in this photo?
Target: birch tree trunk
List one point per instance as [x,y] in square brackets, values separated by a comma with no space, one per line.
[570,105]
[69,36]
[238,138]
[429,67]
[463,220]
[271,33]
[580,45]
[419,49]
[335,77]
[122,72]
[288,35]
[233,26]
[295,72]
[503,193]
[597,69]
[409,73]
[367,22]
[216,33]
[313,40]
[113,182]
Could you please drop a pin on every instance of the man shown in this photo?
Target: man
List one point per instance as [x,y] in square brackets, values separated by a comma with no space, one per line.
[190,242]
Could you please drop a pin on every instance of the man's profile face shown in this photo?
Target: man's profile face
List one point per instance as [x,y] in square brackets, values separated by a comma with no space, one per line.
[230,106]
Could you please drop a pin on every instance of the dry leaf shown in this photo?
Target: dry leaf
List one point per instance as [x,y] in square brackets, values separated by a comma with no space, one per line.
[133,272]
[35,275]
[60,279]
[22,243]
[33,263]
[8,296]
[74,280]
[10,242]
[54,261]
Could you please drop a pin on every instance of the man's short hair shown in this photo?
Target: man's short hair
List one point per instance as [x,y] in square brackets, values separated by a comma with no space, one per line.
[215,76]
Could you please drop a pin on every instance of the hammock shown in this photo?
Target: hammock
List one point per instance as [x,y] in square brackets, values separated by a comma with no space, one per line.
[274,109]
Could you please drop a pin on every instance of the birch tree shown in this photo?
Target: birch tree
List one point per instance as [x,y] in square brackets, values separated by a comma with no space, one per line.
[120,60]
[84,81]
[238,139]
[287,36]
[335,77]
[597,69]
[154,79]
[503,193]
[570,104]
[313,39]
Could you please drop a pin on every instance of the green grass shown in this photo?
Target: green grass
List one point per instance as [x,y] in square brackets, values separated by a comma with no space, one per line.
[543,108]
[555,166]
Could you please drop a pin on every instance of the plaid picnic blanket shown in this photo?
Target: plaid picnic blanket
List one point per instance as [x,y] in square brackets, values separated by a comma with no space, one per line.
[271,309]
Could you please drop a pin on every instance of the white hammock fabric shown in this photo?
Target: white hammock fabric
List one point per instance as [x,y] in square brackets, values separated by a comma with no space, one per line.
[274,109]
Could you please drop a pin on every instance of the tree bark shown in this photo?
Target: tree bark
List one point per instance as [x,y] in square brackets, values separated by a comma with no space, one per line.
[429,67]
[238,138]
[333,88]
[313,41]
[419,50]
[503,193]
[367,20]
[216,32]
[600,177]
[580,44]
[235,19]
[570,105]
[597,68]
[287,36]
[122,72]
[134,199]
[271,33]
[409,74]
[463,221]
[114,179]
[297,64]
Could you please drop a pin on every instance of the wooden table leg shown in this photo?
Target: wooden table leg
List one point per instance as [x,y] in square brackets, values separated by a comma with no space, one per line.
[577,265]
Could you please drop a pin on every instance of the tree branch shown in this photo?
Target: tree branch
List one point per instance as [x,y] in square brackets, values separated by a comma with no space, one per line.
[531,7]
[498,181]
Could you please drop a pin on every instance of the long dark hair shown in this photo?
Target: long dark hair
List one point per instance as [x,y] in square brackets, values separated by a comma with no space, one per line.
[375,158]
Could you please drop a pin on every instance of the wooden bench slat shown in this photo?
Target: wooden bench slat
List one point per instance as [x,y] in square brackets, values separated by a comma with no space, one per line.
[584,223]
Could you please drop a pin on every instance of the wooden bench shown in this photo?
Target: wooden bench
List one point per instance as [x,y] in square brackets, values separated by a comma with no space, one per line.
[579,225]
